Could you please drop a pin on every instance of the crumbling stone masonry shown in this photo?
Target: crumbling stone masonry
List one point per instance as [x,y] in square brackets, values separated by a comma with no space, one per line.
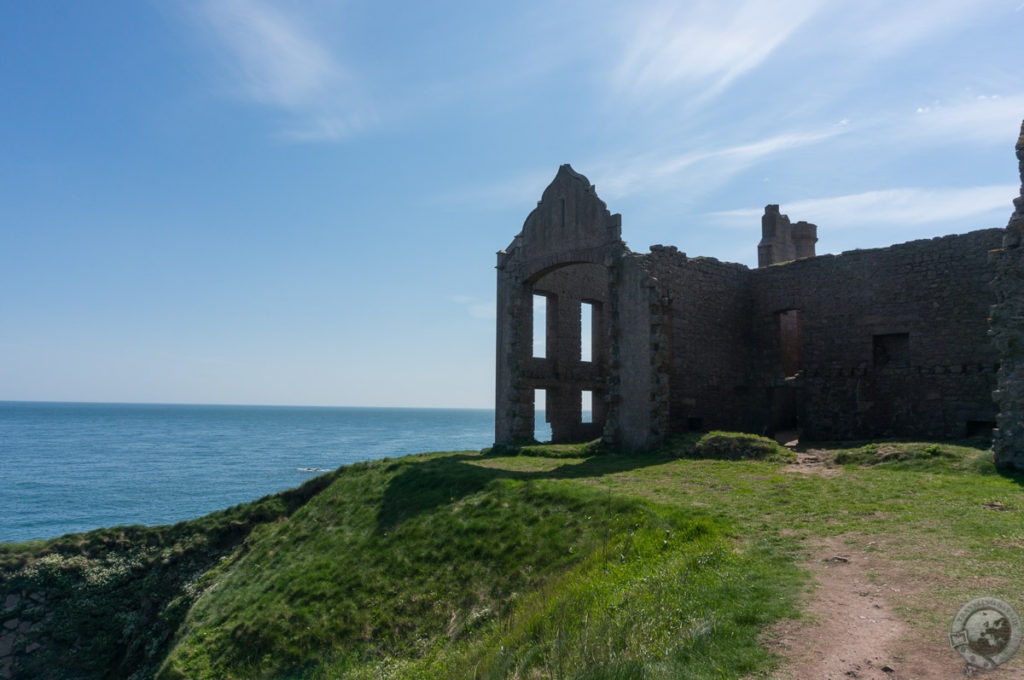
[870,343]
[1007,321]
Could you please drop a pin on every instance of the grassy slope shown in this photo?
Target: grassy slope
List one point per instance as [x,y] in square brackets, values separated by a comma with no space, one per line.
[115,597]
[546,565]
[458,565]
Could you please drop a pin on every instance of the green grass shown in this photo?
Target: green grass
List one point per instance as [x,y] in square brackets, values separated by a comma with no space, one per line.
[115,597]
[726,446]
[539,561]
[435,565]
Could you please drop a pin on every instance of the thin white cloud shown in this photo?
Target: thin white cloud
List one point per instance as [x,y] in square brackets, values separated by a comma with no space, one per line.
[984,118]
[651,172]
[278,62]
[888,207]
[477,309]
[702,47]
[706,167]
[882,28]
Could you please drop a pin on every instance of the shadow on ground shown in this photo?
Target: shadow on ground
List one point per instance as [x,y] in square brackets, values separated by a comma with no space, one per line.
[424,485]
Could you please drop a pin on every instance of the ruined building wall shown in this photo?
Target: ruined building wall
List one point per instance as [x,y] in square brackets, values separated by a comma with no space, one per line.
[892,341]
[1007,322]
[708,335]
[564,251]
[870,343]
[638,377]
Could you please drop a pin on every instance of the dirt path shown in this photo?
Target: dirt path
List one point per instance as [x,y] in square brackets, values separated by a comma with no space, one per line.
[851,631]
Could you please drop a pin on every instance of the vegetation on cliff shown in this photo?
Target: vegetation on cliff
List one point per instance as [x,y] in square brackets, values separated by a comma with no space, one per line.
[547,562]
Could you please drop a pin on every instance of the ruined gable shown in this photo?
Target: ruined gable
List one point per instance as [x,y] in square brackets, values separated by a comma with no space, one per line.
[884,342]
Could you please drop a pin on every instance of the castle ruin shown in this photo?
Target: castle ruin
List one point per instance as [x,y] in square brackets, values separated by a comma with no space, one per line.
[887,342]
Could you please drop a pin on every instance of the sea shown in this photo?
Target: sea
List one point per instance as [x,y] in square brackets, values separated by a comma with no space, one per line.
[74,467]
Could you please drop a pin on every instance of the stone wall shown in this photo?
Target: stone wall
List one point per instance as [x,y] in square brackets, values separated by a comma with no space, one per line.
[566,251]
[708,335]
[892,340]
[638,385]
[1007,321]
[869,343]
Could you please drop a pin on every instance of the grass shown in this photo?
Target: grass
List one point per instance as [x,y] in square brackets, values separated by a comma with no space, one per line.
[505,572]
[115,597]
[537,561]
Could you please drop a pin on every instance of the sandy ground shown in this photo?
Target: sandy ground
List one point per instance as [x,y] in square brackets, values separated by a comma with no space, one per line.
[850,629]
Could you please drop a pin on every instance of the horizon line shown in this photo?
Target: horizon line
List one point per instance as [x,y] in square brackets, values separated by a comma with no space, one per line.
[249,405]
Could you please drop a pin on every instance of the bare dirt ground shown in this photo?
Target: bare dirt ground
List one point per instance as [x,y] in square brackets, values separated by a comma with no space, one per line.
[811,462]
[850,629]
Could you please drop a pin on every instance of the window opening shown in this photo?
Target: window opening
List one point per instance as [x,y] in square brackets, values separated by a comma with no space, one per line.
[586,331]
[540,326]
[586,407]
[789,341]
[892,350]
[980,428]
[541,424]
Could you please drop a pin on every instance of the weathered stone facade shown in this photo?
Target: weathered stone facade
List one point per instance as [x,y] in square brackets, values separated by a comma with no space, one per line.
[885,342]
[1007,322]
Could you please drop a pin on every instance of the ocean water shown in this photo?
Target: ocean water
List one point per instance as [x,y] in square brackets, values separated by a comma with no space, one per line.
[75,467]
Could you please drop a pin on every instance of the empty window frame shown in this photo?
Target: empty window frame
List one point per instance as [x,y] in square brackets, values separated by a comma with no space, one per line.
[540,326]
[586,331]
[891,350]
[541,422]
[586,406]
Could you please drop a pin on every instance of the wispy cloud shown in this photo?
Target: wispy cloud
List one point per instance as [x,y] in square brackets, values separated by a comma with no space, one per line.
[702,47]
[618,176]
[277,61]
[881,28]
[983,118]
[478,309]
[709,167]
[888,207]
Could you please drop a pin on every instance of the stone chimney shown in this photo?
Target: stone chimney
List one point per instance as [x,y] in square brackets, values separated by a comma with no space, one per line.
[782,241]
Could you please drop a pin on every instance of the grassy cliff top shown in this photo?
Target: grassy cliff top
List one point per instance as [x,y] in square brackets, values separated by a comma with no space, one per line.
[540,562]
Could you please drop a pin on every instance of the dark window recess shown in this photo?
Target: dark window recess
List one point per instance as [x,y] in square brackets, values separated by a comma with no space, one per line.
[784,408]
[892,350]
[695,424]
[980,428]
[789,341]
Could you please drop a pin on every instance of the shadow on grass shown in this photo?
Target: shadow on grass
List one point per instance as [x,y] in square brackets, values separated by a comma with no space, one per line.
[1015,476]
[424,485]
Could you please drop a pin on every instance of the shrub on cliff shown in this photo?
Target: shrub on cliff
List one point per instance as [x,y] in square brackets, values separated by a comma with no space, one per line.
[719,445]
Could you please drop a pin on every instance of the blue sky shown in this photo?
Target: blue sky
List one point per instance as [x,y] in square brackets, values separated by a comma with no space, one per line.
[300,202]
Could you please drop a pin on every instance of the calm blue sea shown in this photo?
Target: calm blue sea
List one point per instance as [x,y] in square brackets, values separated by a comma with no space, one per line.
[75,467]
